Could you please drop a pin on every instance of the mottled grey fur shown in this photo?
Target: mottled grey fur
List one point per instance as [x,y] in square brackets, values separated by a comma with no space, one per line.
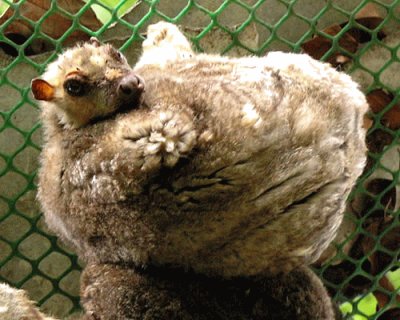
[232,169]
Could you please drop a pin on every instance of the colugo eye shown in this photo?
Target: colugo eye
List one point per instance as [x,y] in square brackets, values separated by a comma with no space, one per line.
[75,87]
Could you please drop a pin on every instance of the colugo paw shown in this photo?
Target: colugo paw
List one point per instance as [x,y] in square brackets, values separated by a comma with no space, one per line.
[164,43]
[160,140]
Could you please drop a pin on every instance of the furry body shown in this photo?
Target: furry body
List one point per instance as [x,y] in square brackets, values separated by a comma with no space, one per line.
[229,168]
[262,155]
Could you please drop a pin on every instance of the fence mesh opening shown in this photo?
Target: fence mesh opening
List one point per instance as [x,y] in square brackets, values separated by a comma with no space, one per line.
[361,269]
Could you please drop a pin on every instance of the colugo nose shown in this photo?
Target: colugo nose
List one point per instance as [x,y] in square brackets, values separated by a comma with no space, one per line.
[131,84]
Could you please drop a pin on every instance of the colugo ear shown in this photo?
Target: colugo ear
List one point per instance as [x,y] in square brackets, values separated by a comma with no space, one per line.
[94,41]
[42,90]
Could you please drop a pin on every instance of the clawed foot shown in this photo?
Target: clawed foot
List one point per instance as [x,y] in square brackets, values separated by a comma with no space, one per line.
[164,34]
[161,141]
[164,43]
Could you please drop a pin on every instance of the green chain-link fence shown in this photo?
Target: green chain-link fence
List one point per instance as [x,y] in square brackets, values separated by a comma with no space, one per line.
[360,37]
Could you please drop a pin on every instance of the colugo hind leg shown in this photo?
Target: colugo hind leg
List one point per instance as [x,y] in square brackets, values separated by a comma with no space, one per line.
[164,43]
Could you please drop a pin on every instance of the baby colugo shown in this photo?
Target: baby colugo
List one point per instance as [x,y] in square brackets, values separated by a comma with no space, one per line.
[214,167]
